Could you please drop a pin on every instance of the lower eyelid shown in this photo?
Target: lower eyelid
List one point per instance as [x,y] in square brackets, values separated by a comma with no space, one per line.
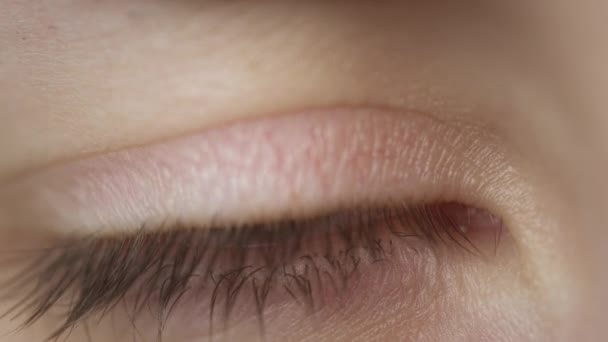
[377,251]
[414,277]
[415,269]
[332,298]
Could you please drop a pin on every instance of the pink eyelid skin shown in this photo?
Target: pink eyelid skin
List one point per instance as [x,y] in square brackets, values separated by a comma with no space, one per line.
[261,169]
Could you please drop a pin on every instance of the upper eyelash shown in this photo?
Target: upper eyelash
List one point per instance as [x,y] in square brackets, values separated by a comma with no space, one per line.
[97,273]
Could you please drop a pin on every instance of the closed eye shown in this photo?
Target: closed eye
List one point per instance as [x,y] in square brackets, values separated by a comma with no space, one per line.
[327,220]
[272,171]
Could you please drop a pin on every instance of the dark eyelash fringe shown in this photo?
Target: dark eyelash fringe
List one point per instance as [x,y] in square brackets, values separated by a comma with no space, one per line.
[96,274]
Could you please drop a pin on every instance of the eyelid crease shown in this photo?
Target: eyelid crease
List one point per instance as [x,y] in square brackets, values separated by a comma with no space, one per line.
[156,268]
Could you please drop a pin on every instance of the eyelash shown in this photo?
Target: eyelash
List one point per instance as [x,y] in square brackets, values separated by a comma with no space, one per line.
[156,268]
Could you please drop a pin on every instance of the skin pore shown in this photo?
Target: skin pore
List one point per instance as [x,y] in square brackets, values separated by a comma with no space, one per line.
[110,110]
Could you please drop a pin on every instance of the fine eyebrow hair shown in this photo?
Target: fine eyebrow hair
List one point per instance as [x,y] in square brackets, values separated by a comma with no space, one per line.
[159,268]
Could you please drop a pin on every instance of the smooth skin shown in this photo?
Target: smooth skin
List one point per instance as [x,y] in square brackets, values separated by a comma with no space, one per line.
[81,80]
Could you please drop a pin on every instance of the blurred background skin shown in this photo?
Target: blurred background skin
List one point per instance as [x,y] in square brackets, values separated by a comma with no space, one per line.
[72,76]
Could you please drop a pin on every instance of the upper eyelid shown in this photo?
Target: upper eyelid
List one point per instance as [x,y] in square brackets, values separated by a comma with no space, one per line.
[316,156]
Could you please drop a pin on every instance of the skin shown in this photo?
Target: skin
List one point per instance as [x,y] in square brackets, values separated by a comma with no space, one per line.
[86,85]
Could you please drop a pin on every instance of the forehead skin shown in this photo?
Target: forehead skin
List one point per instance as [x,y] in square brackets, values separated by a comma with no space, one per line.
[80,78]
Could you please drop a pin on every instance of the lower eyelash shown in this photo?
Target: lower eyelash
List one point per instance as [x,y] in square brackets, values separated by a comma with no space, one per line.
[159,268]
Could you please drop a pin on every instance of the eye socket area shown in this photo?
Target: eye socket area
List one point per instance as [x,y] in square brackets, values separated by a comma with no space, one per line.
[312,162]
